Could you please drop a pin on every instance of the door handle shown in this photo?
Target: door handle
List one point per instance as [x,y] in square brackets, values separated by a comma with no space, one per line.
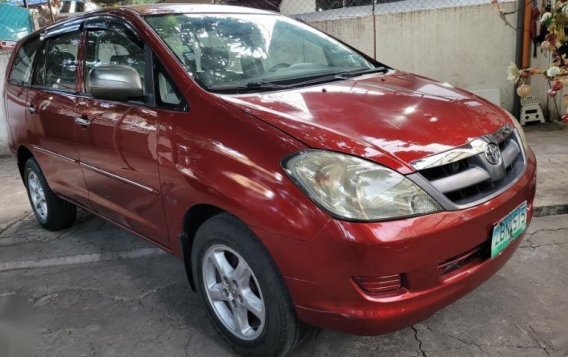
[31,109]
[84,122]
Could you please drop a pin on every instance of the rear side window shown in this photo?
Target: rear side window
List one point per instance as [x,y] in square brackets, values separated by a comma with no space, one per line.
[58,68]
[22,69]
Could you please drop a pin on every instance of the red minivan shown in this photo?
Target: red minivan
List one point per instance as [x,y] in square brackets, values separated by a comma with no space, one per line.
[302,182]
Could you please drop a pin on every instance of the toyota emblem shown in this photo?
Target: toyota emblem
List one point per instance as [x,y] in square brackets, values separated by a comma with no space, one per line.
[493,154]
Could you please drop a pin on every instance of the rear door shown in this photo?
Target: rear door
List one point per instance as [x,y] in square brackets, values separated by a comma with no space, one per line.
[16,91]
[51,113]
[118,140]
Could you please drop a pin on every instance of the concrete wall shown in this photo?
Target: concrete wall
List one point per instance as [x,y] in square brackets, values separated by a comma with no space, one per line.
[4,57]
[467,46]
[291,7]
[357,32]
[539,88]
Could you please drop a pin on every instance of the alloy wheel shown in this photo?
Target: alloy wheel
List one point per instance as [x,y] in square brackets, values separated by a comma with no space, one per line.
[37,196]
[233,292]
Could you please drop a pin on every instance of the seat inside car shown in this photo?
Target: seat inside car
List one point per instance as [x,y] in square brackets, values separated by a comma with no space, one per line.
[136,62]
[252,67]
[214,64]
[189,59]
[61,70]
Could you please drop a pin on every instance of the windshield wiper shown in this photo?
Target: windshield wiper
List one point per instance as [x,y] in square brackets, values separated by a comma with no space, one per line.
[267,85]
[317,80]
[361,72]
[337,76]
[253,85]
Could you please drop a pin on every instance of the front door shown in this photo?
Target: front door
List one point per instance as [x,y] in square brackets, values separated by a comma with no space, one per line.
[51,112]
[117,142]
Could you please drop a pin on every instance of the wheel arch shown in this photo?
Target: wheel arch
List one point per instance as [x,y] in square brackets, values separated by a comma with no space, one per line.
[23,154]
[193,218]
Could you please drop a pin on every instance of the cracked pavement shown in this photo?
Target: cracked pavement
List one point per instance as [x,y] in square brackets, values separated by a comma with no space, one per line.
[549,145]
[96,290]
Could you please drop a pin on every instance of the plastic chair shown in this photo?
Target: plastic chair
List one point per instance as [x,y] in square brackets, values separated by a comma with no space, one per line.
[531,110]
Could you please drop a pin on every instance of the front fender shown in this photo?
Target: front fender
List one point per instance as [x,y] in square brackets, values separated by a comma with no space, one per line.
[228,159]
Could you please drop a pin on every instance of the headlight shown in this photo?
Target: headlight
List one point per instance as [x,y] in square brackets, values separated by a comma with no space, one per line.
[356,189]
[520,132]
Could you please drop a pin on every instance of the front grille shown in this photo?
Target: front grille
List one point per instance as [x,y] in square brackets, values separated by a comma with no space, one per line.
[469,175]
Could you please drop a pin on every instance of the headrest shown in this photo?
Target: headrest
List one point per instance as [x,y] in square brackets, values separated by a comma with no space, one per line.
[214,59]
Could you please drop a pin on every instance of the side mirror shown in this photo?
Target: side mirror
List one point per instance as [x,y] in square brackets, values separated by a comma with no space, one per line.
[115,82]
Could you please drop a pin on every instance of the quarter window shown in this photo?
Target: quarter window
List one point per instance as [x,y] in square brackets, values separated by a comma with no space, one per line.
[168,95]
[59,67]
[106,47]
[22,68]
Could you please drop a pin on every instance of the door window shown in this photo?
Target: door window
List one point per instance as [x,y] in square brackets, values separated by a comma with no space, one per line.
[106,47]
[22,68]
[59,64]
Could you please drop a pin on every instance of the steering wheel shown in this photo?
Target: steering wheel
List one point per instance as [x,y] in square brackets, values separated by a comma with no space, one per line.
[278,66]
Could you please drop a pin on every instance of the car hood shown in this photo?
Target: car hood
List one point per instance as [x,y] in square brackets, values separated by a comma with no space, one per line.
[393,119]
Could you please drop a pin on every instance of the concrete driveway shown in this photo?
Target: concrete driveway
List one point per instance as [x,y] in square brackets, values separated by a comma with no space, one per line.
[95,290]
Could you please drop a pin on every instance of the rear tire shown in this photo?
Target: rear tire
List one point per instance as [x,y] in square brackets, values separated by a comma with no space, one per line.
[52,212]
[243,290]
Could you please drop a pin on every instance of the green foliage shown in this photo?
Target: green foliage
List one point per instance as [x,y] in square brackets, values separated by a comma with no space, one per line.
[142,2]
[165,25]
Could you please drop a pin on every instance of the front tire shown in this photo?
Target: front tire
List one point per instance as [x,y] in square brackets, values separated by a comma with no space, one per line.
[243,290]
[52,212]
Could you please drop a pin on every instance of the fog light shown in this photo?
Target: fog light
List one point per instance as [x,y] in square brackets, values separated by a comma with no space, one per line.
[380,285]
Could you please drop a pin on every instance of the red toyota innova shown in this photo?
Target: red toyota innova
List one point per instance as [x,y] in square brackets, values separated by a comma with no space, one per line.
[302,182]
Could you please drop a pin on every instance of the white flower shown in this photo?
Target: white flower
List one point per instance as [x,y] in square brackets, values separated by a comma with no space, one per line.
[513,73]
[553,72]
[545,16]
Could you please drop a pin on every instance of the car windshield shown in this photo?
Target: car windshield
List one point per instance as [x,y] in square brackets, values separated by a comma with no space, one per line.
[237,52]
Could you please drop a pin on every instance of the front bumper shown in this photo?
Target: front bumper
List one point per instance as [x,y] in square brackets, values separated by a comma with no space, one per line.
[319,273]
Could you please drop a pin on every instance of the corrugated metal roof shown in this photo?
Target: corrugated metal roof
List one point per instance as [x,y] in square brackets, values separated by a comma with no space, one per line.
[15,22]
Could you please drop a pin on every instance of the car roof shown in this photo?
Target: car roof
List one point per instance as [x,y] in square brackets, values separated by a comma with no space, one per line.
[164,8]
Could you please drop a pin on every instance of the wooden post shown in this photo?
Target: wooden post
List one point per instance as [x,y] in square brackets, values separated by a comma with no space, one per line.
[527,34]
[519,53]
[50,11]
[374,32]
